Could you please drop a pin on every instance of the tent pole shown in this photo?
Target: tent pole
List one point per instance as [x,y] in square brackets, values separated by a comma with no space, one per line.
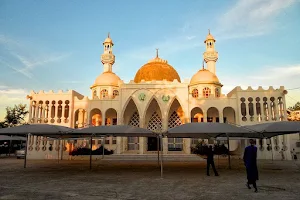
[158,147]
[58,141]
[229,163]
[103,143]
[91,145]
[62,149]
[26,146]
[161,158]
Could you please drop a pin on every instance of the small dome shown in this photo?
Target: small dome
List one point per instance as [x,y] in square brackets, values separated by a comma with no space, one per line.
[209,37]
[108,40]
[156,69]
[107,78]
[204,76]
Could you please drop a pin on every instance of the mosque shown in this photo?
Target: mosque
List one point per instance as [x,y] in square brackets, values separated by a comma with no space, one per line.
[157,99]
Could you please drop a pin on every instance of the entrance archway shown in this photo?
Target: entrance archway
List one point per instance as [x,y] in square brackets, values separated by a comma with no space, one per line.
[175,118]
[153,120]
[131,117]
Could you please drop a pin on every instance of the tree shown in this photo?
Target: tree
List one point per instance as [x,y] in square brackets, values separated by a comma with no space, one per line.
[14,116]
[295,107]
[293,114]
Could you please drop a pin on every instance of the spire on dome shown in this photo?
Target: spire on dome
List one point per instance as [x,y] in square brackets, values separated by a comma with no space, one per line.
[209,37]
[203,64]
[108,35]
[156,53]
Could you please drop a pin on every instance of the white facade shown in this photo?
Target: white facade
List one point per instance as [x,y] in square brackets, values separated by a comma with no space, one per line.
[157,99]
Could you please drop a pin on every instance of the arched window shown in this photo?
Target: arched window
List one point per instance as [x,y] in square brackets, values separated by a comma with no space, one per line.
[104,93]
[217,92]
[53,110]
[115,93]
[195,93]
[66,113]
[206,92]
[94,93]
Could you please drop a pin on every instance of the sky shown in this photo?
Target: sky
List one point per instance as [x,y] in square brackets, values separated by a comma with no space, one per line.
[56,45]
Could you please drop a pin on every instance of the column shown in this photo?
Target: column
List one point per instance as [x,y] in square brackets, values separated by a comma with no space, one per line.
[221,117]
[103,119]
[204,115]
[80,118]
[142,140]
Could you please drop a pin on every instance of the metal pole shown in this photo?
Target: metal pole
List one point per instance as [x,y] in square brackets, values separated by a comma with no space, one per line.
[229,163]
[103,142]
[158,147]
[9,147]
[62,149]
[58,141]
[26,146]
[91,144]
[161,158]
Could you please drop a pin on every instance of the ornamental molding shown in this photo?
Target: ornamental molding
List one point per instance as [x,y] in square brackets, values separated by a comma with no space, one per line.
[165,98]
[142,97]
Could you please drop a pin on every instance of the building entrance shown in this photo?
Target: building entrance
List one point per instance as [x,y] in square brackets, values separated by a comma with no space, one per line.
[153,144]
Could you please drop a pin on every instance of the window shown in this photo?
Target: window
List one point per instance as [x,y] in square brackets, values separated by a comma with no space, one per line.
[104,93]
[217,92]
[94,93]
[115,93]
[206,92]
[195,93]
[107,141]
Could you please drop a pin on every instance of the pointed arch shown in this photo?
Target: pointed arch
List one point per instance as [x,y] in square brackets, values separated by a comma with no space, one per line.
[130,108]
[152,106]
[130,101]
[175,105]
[151,101]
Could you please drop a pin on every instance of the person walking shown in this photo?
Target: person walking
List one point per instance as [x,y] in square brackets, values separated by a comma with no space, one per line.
[210,161]
[250,156]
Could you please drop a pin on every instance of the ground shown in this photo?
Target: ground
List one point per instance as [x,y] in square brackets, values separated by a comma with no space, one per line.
[137,180]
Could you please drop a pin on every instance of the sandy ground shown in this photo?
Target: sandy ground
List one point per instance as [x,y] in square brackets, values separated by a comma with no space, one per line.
[72,180]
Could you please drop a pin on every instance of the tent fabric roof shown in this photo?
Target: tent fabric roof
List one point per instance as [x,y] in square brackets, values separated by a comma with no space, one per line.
[209,130]
[35,129]
[272,129]
[6,137]
[115,130]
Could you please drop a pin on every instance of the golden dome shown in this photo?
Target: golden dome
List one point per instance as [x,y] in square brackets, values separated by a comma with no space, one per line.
[204,76]
[107,78]
[156,69]
[209,37]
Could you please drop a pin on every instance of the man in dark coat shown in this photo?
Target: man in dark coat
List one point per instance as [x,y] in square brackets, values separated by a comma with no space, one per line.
[250,156]
[210,161]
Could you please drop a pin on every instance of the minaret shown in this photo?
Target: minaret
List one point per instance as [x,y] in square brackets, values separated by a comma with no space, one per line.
[210,55]
[108,58]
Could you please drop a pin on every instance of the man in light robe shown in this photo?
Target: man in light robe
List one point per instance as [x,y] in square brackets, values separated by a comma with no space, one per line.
[250,156]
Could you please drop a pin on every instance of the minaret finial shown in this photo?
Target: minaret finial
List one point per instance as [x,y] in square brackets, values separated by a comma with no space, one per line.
[209,31]
[108,35]
[203,65]
[156,53]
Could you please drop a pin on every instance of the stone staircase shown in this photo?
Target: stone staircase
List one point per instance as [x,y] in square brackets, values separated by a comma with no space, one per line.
[152,157]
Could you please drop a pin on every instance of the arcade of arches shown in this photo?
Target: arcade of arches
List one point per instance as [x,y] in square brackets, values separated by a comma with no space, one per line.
[153,118]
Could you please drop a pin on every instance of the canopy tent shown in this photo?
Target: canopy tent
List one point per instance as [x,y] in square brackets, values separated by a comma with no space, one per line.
[210,130]
[271,129]
[36,129]
[115,130]
[6,137]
